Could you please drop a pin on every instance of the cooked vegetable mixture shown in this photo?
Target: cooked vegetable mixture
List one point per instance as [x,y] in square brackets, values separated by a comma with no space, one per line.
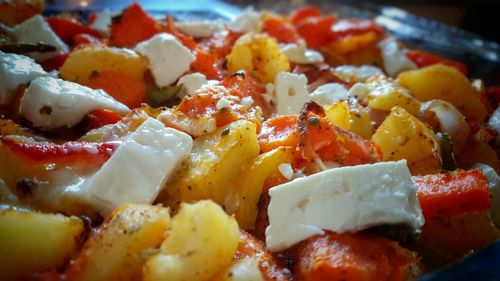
[272,147]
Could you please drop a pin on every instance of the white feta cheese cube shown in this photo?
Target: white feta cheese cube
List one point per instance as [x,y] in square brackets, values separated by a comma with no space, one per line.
[49,103]
[16,70]
[291,92]
[103,21]
[354,198]
[395,61]
[35,30]
[168,58]
[139,168]
[298,53]
[200,29]
[247,21]
[195,81]
[329,93]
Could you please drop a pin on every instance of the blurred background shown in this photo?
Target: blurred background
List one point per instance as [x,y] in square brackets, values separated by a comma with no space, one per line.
[478,16]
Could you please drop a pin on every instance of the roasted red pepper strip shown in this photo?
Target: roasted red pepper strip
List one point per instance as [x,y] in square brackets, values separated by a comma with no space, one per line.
[66,28]
[134,25]
[303,13]
[316,31]
[99,118]
[54,63]
[453,193]
[351,256]
[70,152]
[279,29]
[422,59]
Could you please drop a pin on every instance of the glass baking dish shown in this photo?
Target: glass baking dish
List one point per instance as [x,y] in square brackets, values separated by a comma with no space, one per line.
[482,57]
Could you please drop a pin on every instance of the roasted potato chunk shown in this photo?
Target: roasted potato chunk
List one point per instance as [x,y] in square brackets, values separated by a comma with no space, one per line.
[201,242]
[215,165]
[338,113]
[382,93]
[242,200]
[31,242]
[259,55]
[84,62]
[444,83]
[114,251]
[402,136]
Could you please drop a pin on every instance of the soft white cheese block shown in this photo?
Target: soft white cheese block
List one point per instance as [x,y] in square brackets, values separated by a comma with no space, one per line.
[329,93]
[168,58]
[359,73]
[16,70]
[341,200]
[195,81]
[103,21]
[247,21]
[139,168]
[200,29]
[395,61]
[35,30]
[291,92]
[49,103]
[298,53]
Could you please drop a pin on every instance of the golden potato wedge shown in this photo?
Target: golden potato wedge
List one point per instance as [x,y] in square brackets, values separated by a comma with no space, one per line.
[360,121]
[201,242]
[215,165]
[242,200]
[445,83]
[114,251]
[338,113]
[402,136]
[382,93]
[32,242]
[82,63]
[259,55]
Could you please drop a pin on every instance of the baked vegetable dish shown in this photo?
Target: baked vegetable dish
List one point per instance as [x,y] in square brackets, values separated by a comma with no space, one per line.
[302,146]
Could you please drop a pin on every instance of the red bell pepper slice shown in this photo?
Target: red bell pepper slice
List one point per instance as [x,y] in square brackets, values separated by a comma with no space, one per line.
[100,117]
[280,30]
[422,59]
[54,63]
[67,153]
[66,28]
[302,13]
[135,25]
[316,31]
[454,193]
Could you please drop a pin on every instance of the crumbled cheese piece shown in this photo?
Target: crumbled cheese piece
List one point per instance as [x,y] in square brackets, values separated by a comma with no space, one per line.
[286,170]
[329,93]
[385,194]
[139,168]
[395,61]
[298,53]
[200,29]
[35,30]
[195,81]
[291,92]
[248,21]
[359,73]
[223,103]
[103,21]
[16,70]
[50,103]
[247,101]
[168,58]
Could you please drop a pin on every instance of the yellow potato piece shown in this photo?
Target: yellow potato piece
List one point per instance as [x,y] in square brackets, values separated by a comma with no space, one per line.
[444,83]
[243,199]
[114,251]
[338,113]
[215,165]
[402,136]
[82,63]
[259,55]
[360,121]
[31,242]
[201,242]
[383,94]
